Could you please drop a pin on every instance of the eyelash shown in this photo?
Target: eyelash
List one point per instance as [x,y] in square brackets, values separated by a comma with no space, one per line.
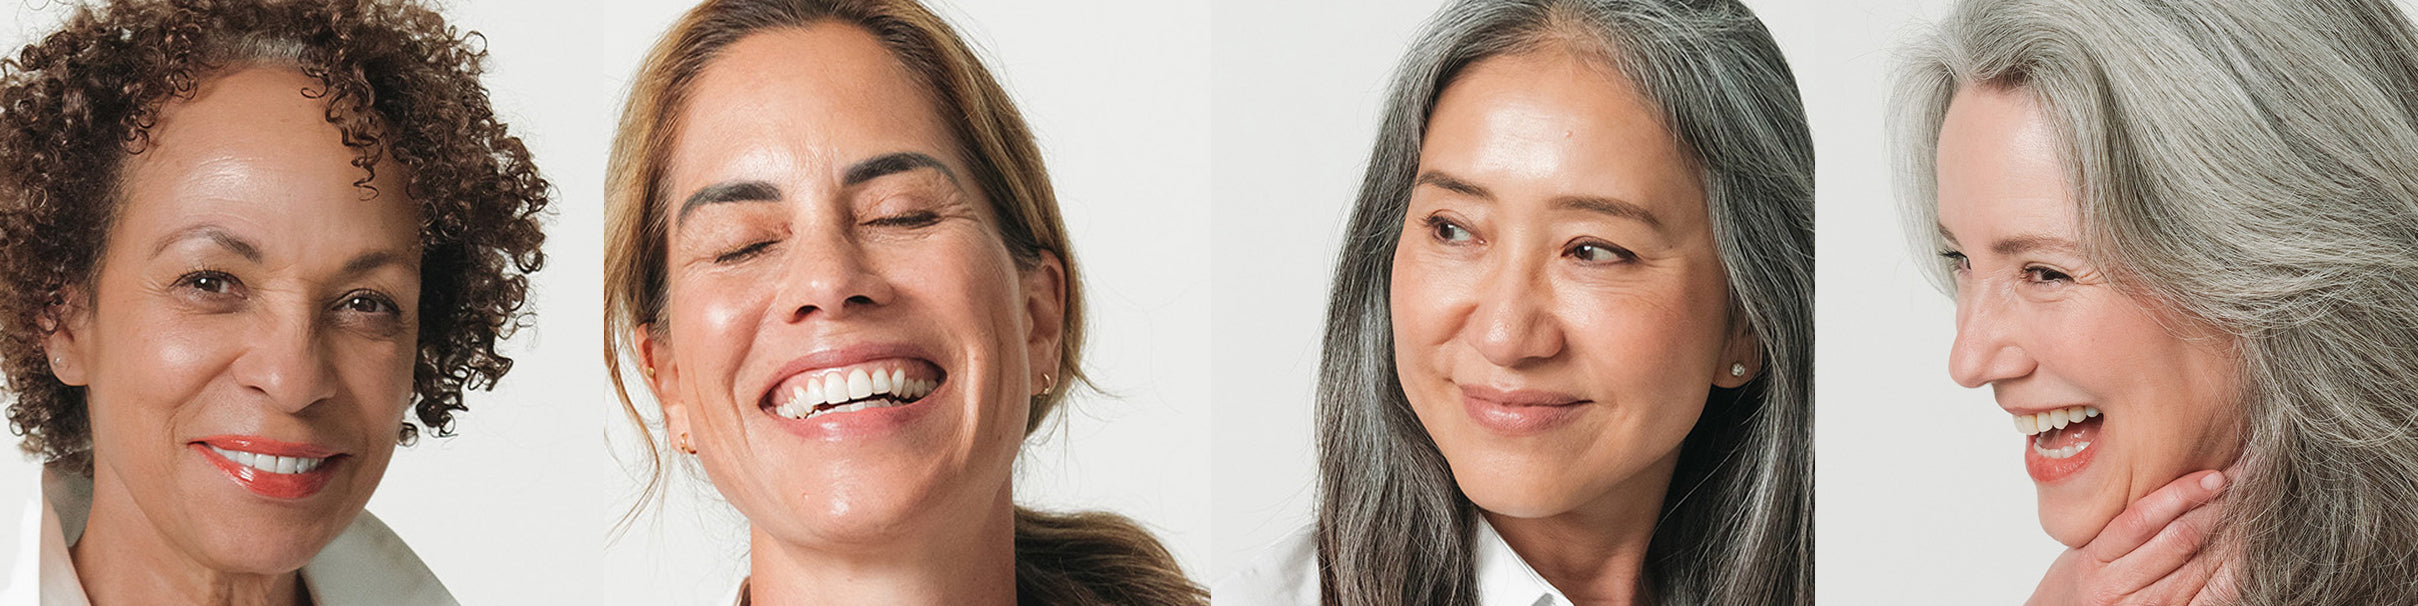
[194,281]
[910,220]
[1619,255]
[2035,273]
[1436,226]
[383,304]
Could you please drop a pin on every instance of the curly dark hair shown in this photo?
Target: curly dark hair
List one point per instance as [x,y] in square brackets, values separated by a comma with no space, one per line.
[401,85]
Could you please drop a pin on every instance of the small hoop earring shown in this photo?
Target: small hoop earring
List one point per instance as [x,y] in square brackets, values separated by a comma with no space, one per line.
[1738,369]
[1048,382]
[683,446]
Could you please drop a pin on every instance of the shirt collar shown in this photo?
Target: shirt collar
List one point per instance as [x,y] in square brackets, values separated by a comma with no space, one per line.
[1506,580]
[367,564]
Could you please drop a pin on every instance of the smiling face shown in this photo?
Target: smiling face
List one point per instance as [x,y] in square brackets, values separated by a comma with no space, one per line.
[1559,310]
[848,344]
[2040,323]
[247,353]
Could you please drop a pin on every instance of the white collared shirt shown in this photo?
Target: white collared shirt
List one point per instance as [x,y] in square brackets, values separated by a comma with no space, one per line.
[1287,575]
[366,565]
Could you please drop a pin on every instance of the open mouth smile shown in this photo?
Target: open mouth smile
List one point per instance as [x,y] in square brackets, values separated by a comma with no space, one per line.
[877,384]
[2061,440]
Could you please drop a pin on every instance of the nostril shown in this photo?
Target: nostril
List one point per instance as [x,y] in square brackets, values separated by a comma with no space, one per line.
[860,300]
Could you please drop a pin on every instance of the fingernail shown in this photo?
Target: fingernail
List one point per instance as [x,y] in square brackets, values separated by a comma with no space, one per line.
[2213,481]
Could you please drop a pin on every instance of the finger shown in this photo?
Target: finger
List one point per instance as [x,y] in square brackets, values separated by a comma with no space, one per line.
[2165,556]
[2220,588]
[2143,519]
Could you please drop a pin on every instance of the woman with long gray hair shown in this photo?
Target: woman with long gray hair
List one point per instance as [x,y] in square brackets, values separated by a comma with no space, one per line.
[2183,240]
[1568,354]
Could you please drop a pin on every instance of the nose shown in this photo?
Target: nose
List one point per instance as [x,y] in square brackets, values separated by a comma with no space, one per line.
[287,363]
[1512,322]
[1985,349]
[828,276]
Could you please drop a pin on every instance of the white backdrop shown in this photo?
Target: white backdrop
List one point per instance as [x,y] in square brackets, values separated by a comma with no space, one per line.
[517,508]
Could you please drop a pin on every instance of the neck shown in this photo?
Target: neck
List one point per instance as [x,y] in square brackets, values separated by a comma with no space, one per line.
[123,559]
[973,562]
[1596,554]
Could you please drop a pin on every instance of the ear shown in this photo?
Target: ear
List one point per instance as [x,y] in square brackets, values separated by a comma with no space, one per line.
[67,335]
[1744,348]
[662,376]
[1045,311]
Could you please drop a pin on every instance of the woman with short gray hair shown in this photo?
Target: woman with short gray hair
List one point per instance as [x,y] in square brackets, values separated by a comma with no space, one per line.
[1568,352]
[2183,240]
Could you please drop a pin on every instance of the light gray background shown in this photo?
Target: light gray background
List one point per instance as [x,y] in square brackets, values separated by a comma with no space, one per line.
[516,509]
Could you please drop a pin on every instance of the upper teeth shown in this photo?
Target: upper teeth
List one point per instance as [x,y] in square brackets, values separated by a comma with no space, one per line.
[2034,424]
[269,463]
[835,387]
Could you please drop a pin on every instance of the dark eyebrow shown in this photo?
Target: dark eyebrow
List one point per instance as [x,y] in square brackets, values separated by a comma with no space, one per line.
[730,191]
[1454,184]
[893,163]
[764,191]
[215,234]
[1610,206]
[376,259]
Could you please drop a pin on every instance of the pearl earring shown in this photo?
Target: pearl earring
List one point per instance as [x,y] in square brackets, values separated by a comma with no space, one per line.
[1738,369]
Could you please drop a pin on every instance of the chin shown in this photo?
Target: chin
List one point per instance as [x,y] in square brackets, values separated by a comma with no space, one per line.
[264,549]
[2072,518]
[1516,495]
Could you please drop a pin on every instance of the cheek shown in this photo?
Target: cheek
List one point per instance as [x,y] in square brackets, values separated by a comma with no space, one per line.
[1422,298]
[713,323]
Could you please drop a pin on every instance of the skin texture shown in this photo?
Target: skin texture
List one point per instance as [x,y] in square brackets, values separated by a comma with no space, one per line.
[2040,324]
[1507,281]
[182,337]
[2043,327]
[915,513]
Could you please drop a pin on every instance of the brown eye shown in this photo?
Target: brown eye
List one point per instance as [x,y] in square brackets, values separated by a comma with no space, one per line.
[1444,230]
[212,282]
[368,303]
[1598,253]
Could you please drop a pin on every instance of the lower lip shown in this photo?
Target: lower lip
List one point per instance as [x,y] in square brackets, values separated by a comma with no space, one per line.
[287,486]
[2045,470]
[1518,420]
[862,424]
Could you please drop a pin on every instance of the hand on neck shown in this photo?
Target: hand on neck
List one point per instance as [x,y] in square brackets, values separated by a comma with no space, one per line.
[965,559]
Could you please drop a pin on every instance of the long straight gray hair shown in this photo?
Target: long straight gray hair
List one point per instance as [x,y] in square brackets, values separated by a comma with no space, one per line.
[1735,527]
[2253,163]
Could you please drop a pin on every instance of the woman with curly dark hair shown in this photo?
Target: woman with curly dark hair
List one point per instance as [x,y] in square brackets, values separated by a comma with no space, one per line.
[244,246]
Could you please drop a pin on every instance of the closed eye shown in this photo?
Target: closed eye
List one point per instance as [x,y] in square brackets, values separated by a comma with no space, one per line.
[909,220]
[744,252]
[1957,261]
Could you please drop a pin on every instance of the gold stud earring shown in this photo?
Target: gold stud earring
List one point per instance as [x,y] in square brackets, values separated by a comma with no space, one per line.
[650,372]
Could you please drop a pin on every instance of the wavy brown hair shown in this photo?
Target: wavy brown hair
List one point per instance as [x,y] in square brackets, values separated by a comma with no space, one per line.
[401,85]
[1079,558]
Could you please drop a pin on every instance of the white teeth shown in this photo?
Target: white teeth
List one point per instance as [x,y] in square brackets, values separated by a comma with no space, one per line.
[269,463]
[2060,453]
[2043,422]
[859,385]
[835,387]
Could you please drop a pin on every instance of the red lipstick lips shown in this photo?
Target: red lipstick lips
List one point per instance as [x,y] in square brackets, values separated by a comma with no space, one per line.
[301,484]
